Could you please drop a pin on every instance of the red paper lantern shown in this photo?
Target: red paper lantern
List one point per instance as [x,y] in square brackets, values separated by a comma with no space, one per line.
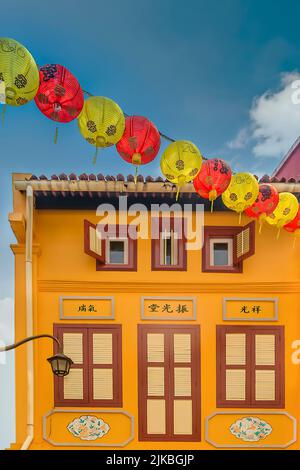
[294,225]
[59,96]
[140,142]
[213,178]
[265,203]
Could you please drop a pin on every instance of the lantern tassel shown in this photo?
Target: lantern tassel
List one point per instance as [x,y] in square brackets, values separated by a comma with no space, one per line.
[212,205]
[181,182]
[260,227]
[3,114]
[240,218]
[135,174]
[278,233]
[56,135]
[95,156]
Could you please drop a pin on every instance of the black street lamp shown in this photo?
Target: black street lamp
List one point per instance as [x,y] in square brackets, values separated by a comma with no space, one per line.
[60,363]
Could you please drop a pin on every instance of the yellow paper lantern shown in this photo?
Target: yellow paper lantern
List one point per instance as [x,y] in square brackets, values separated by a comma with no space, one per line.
[101,121]
[241,192]
[285,211]
[18,72]
[180,163]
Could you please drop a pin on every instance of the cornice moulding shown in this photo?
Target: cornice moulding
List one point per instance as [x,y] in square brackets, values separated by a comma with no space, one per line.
[167,288]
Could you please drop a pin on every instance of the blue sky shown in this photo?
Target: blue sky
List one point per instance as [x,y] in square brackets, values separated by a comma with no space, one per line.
[217,73]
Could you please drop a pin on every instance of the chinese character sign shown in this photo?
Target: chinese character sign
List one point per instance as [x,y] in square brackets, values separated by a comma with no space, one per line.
[175,308]
[260,309]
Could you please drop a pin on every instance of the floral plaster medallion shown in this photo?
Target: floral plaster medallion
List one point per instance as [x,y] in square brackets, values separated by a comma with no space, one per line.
[88,428]
[250,429]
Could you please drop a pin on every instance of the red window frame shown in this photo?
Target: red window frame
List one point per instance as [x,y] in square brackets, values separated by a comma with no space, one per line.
[101,264]
[250,366]
[232,233]
[169,365]
[156,245]
[88,366]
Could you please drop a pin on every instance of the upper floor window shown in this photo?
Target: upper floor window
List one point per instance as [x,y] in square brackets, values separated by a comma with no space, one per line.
[168,249]
[225,248]
[113,253]
[221,251]
[117,251]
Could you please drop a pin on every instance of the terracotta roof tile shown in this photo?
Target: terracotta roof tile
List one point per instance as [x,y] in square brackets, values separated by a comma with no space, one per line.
[140,178]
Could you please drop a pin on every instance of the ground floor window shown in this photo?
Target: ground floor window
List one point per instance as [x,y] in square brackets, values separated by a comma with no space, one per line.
[250,366]
[169,382]
[95,378]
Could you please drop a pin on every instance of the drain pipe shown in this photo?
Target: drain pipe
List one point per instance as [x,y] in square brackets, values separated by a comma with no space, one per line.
[29,319]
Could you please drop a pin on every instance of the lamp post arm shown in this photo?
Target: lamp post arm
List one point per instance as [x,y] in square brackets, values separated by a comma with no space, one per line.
[30,338]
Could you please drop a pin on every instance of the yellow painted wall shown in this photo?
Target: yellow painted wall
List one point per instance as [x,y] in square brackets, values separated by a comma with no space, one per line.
[62,268]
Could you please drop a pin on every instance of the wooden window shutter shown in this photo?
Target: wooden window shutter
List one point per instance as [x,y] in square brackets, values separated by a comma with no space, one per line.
[72,389]
[156,371]
[95,376]
[244,243]
[169,383]
[267,366]
[173,226]
[250,366]
[105,366]
[94,245]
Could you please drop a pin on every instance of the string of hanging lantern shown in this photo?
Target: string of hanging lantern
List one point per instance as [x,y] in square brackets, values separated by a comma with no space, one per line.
[102,123]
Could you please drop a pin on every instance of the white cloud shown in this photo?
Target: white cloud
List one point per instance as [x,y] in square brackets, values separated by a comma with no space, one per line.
[274,120]
[240,140]
[6,319]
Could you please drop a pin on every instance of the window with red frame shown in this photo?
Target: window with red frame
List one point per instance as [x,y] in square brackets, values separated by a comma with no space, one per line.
[95,377]
[116,252]
[225,248]
[168,250]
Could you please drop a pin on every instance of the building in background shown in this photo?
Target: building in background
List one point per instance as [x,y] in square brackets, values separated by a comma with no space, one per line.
[172,348]
[289,167]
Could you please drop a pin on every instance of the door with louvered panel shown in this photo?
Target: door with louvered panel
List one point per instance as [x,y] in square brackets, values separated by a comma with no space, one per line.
[250,366]
[169,382]
[95,377]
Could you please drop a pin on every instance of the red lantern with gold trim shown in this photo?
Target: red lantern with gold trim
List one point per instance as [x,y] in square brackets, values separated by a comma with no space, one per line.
[294,225]
[140,142]
[213,179]
[265,203]
[59,96]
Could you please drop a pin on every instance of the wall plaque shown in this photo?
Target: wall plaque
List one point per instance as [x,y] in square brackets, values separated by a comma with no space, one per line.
[250,309]
[86,308]
[168,308]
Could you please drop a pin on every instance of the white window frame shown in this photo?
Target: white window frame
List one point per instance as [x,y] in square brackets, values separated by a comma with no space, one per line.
[107,249]
[173,236]
[229,242]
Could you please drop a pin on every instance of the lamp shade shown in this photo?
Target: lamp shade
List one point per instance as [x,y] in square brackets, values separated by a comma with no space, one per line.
[60,364]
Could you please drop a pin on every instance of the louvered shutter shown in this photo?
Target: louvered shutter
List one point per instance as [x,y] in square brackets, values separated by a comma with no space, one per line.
[250,366]
[73,388]
[104,366]
[182,396]
[244,243]
[169,383]
[95,376]
[235,356]
[94,245]
[265,364]
[156,390]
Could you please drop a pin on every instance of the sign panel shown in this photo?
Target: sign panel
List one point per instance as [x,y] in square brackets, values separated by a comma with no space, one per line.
[168,308]
[86,308]
[250,309]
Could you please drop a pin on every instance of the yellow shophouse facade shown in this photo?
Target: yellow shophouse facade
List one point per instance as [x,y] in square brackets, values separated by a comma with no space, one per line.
[172,348]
